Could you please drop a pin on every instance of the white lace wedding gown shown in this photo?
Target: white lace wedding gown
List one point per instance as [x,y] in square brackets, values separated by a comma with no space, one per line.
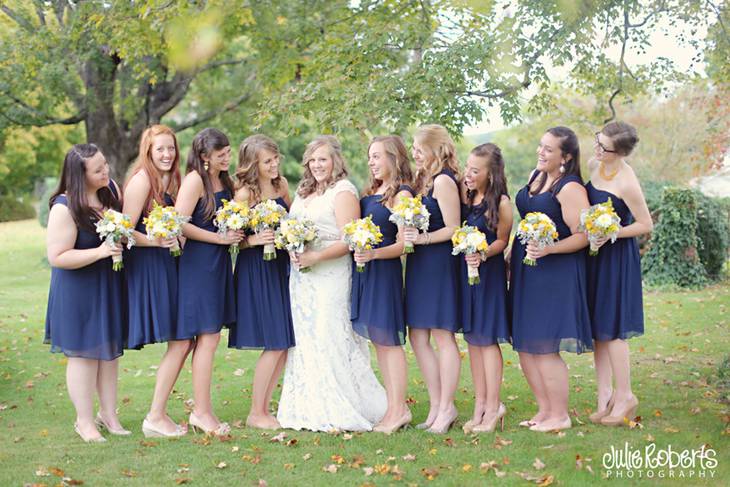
[328,383]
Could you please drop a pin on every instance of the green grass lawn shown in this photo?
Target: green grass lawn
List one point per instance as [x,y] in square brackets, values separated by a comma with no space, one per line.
[674,374]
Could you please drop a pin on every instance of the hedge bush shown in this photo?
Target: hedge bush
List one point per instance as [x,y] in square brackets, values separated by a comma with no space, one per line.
[713,230]
[50,185]
[13,208]
[674,253]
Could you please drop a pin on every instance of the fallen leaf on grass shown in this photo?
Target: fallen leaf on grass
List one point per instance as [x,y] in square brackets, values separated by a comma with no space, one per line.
[129,473]
[239,372]
[338,459]
[234,449]
[429,473]
[347,436]
[357,460]
[466,468]
[306,456]
[57,472]
[331,468]
[368,471]
[292,442]
[280,437]
[148,443]
[221,465]
[289,466]
[42,472]
[538,464]
[546,480]
[670,429]
[70,481]
[409,458]
[658,413]
[262,483]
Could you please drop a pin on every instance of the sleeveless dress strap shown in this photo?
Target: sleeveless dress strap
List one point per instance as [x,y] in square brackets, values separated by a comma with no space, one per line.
[405,187]
[61,200]
[533,177]
[113,188]
[572,178]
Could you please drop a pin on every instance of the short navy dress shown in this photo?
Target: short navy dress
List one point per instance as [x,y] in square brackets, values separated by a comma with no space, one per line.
[484,305]
[614,280]
[85,317]
[548,301]
[206,299]
[432,278]
[263,308]
[376,309]
[151,274]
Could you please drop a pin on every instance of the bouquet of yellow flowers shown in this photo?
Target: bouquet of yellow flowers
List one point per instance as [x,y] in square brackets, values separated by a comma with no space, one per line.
[232,216]
[267,215]
[600,221]
[469,240]
[112,228]
[293,235]
[361,235]
[410,212]
[165,222]
[537,228]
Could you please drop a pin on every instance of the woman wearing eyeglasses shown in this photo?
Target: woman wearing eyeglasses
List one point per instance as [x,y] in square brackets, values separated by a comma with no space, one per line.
[614,275]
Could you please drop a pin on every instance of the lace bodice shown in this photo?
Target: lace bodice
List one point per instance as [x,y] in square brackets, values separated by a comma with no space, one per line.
[321,210]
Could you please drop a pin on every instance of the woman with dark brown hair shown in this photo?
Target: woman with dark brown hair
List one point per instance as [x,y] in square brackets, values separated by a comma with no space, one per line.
[85,314]
[206,299]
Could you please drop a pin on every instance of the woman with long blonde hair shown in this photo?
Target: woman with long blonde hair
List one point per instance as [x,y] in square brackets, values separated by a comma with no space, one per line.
[377,294]
[328,382]
[263,309]
[432,306]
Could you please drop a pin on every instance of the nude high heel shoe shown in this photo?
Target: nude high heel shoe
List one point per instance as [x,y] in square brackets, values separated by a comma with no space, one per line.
[220,430]
[99,421]
[492,424]
[597,416]
[628,413]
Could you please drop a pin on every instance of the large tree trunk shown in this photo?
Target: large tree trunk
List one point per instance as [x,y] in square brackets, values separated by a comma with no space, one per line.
[102,127]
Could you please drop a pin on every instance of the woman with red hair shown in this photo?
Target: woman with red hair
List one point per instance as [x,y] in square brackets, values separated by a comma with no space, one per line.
[152,271]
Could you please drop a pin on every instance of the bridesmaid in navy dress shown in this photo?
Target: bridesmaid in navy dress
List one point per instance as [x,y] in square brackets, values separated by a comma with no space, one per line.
[432,275]
[548,301]
[151,271]
[263,309]
[85,314]
[206,299]
[486,205]
[377,311]
[614,275]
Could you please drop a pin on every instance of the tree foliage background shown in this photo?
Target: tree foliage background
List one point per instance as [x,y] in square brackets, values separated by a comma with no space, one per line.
[102,71]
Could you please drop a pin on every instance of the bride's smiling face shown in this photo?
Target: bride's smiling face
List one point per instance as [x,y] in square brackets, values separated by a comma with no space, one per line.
[321,164]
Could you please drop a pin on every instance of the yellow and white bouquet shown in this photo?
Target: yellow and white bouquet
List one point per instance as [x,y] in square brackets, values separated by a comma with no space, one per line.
[165,222]
[267,215]
[361,235]
[469,240]
[293,235]
[112,228]
[410,213]
[600,221]
[232,216]
[537,228]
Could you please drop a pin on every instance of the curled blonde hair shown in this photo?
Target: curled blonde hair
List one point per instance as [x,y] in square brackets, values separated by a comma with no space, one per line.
[440,154]
[247,171]
[308,184]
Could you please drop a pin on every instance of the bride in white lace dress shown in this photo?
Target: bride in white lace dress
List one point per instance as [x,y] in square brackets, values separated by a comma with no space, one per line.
[329,383]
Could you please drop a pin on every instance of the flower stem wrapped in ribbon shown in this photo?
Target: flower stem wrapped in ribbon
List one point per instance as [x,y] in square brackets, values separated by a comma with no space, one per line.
[294,234]
[470,240]
[267,215]
[410,213]
[112,228]
[599,222]
[537,228]
[232,216]
[165,222]
[361,235]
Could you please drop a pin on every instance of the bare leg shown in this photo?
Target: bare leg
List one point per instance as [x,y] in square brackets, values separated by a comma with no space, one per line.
[203,354]
[381,353]
[476,364]
[449,369]
[274,381]
[81,375]
[534,380]
[554,375]
[492,360]
[265,370]
[106,386]
[602,363]
[429,366]
[167,373]
[618,351]
[392,361]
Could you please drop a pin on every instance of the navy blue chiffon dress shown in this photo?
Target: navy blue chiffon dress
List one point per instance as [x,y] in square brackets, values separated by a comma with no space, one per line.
[206,298]
[377,308]
[432,278]
[548,301]
[614,280]
[484,305]
[263,309]
[151,274]
[86,317]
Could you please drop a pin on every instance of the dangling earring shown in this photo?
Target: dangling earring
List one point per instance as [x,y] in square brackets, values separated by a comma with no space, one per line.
[205,166]
[562,168]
